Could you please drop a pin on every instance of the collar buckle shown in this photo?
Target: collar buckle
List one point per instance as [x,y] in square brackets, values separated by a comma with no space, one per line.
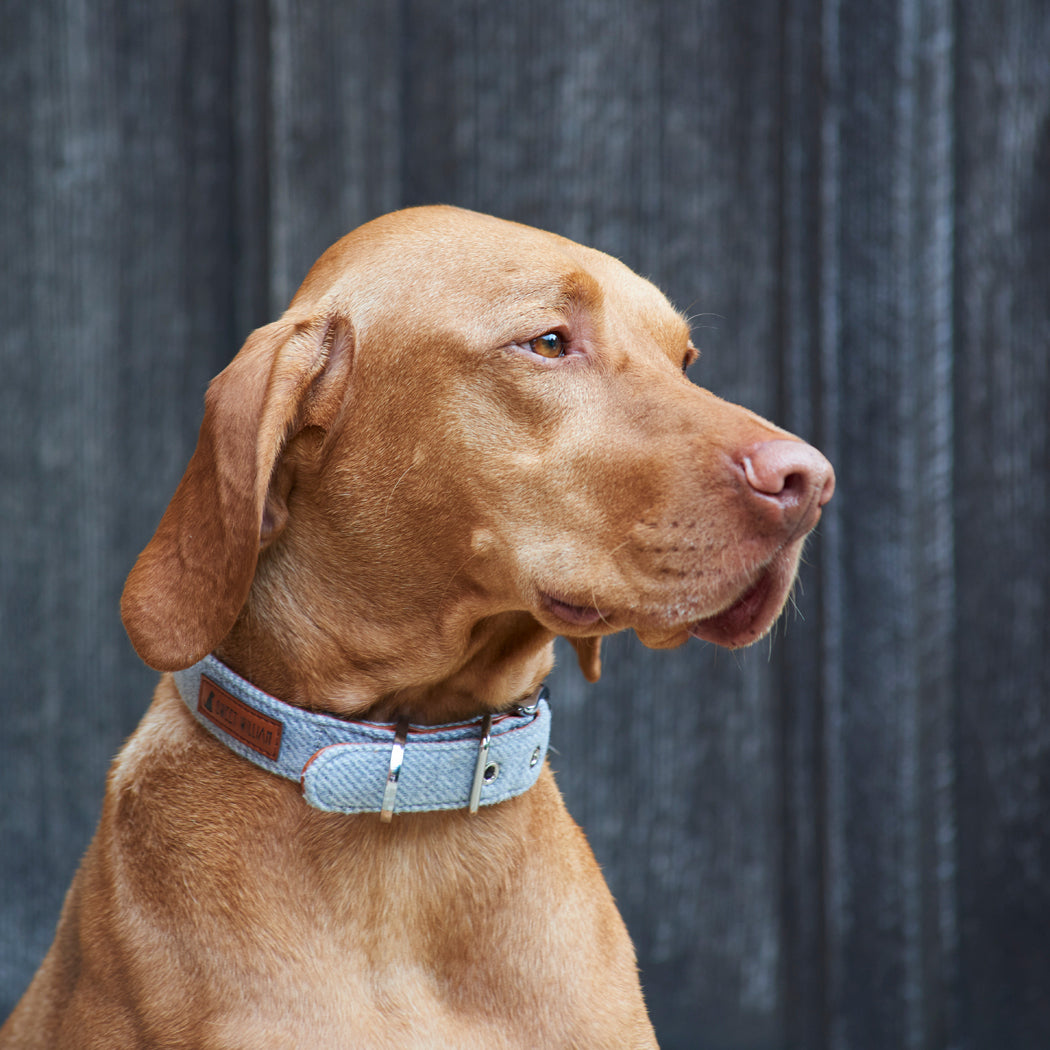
[397,758]
[483,772]
[486,772]
[531,704]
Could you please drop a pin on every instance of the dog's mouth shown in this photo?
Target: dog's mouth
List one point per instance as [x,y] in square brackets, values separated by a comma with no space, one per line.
[740,623]
[747,619]
[755,611]
[577,615]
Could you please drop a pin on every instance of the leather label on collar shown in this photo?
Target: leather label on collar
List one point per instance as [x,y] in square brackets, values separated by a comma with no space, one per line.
[252,728]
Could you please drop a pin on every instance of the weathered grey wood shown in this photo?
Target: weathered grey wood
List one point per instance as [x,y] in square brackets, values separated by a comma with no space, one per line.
[1002,521]
[888,302]
[840,841]
[335,145]
[59,506]
[808,407]
[117,309]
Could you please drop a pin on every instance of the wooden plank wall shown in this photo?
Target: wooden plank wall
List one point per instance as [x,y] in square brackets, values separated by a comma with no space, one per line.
[840,841]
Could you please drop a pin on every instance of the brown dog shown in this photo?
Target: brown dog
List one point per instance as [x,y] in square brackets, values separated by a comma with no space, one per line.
[464,438]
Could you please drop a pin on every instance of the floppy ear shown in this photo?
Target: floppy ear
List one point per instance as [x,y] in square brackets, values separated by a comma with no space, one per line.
[589,656]
[191,581]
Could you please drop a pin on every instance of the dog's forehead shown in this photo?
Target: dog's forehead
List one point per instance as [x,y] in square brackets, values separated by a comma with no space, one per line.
[434,261]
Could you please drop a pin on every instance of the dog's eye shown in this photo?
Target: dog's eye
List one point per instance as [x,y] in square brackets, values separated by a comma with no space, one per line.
[548,345]
[691,354]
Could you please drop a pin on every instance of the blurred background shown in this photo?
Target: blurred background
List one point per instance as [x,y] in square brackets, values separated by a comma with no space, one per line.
[840,840]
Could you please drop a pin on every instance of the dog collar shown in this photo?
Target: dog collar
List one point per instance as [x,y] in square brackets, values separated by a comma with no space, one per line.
[372,767]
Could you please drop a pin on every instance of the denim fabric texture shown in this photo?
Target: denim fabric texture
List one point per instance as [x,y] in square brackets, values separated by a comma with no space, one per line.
[342,766]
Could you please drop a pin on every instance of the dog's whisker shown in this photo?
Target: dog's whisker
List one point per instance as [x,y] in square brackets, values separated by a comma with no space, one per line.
[390,498]
[462,565]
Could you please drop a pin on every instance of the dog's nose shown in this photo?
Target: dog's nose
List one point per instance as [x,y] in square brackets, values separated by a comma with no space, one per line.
[791,475]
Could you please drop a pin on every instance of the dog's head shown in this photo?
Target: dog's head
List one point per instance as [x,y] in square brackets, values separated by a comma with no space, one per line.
[461,422]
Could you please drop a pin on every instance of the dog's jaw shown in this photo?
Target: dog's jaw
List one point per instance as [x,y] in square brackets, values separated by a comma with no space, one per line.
[427,672]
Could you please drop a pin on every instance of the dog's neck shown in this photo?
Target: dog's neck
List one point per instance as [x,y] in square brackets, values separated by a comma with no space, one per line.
[408,674]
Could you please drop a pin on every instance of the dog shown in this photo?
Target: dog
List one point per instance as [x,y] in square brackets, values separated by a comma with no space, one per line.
[335,825]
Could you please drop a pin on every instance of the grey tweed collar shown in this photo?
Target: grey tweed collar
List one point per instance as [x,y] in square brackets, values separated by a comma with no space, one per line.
[371,767]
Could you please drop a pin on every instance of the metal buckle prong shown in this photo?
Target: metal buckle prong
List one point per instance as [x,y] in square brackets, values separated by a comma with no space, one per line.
[397,758]
[531,704]
[481,763]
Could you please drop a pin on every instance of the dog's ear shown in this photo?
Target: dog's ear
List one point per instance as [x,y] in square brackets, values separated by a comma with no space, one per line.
[589,656]
[192,580]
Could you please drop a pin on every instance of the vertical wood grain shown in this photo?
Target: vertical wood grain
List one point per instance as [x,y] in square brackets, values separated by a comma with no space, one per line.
[119,308]
[1001,508]
[888,708]
[335,136]
[807,399]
